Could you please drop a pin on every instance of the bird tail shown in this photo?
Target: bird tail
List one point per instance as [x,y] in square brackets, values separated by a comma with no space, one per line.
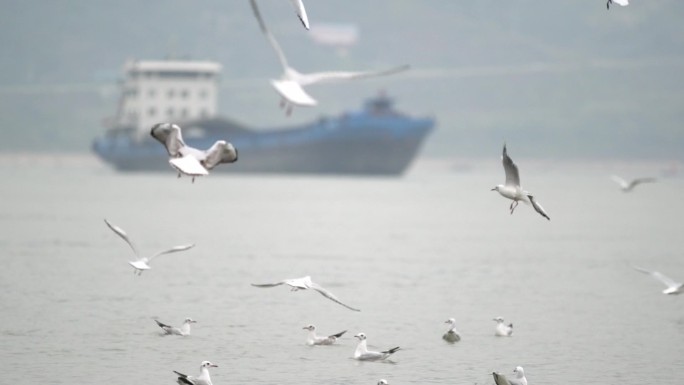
[391,351]
[338,335]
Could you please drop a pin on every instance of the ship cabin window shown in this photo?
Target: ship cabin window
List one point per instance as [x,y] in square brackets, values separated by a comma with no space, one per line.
[169,112]
[152,111]
[170,94]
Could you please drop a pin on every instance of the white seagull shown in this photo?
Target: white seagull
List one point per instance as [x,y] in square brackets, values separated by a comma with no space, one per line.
[141,264]
[512,189]
[673,287]
[363,354]
[290,85]
[623,3]
[303,284]
[519,378]
[301,12]
[502,329]
[382,382]
[313,339]
[202,379]
[629,186]
[182,331]
[188,160]
[452,334]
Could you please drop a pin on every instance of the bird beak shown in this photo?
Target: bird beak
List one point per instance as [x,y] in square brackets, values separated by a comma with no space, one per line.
[214,366]
[494,189]
[305,327]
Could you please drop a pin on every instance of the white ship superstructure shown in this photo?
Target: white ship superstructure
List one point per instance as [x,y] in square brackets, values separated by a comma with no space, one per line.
[155,91]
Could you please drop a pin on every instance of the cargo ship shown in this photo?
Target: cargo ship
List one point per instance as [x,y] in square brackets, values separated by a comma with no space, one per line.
[375,139]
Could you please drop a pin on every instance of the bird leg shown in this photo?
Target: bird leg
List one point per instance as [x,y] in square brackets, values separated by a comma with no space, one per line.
[193,179]
[513,206]
[179,174]
[288,111]
[282,103]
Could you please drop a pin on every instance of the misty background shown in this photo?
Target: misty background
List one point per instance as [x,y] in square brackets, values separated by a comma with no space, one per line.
[562,78]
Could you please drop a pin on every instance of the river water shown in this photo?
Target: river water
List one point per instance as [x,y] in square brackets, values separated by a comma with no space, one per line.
[409,252]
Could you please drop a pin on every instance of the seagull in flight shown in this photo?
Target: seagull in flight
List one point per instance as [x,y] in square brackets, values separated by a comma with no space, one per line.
[502,329]
[363,354]
[142,264]
[629,186]
[673,287]
[303,284]
[182,331]
[291,84]
[623,3]
[452,334]
[188,160]
[202,379]
[519,378]
[512,189]
[313,339]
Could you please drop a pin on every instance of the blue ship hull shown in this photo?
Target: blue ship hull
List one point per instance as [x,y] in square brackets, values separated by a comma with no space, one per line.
[375,140]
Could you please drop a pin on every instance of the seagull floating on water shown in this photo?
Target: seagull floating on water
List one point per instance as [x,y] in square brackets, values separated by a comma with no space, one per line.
[182,331]
[502,329]
[202,379]
[303,284]
[673,287]
[363,354]
[519,378]
[143,263]
[452,334]
[313,339]
[629,186]
[188,160]
[623,3]
[512,189]
[383,382]
[290,85]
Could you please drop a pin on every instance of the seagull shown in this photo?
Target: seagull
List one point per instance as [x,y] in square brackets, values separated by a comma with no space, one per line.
[202,379]
[141,264]
[623,3]
[188,160]
[382,382]
[673,287]
[452,334]
[512,189]
[363,354]
[519,379]
[313,339]
[290,85]
[502,329]
[303,284]
[301,12]
[182,331]
[629,186]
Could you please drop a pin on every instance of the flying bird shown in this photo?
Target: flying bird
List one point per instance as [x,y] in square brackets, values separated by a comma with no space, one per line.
[314,339]
[452,334]
[363,354]
[512,189]
[142,264]
[202,379]
[519,378]
[623,3]
[291,83]
[502,329]
[301,12]
[303,284]
[629,186]
[188,160]
[182,331]
[673,287]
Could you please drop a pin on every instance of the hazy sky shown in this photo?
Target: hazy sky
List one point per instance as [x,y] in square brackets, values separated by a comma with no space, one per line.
[554,78]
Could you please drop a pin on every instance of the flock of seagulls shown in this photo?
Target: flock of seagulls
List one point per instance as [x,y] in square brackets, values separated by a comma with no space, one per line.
[193,162]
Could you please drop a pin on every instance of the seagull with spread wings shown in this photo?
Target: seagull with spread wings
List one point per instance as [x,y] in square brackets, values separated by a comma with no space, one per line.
[673,287]
[629,186]
[291,84]
[303,284]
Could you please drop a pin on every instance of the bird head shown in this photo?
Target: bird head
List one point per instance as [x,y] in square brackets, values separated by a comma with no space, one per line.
[309,327]
[360,336]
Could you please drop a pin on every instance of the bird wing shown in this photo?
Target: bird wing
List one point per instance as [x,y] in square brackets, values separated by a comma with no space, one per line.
[120,232]
[268,284]
[183,379]
[500,379]
[172,250]
[338,335]
[537,207]
[301,12]
[669,282]
[161,325]
[620,181]
[637,181]
[188,165]
[220,152]
[293,93]
[170,136]
[330,295]
[330,76]
[511,170]
[621,2]
[269,35]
